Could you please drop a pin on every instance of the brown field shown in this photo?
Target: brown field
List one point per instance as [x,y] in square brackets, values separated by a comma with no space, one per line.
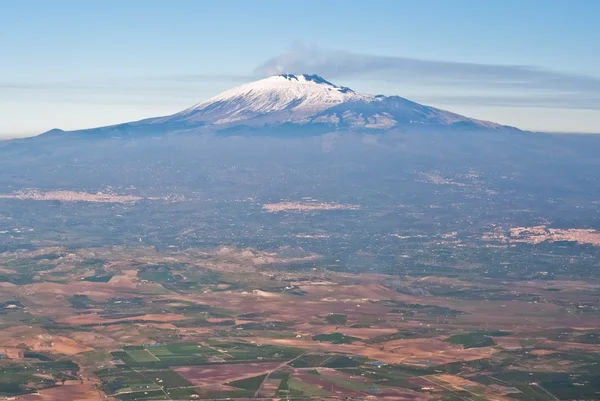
[365,333]
[542,352]
[433,351]
[57,344]
[37,340]
[94,340]
[97,291]
[72,390]
[401,394]
[97,319]
[362,333]
[123,281]
[325,385]
[225,373]
[456,383]
[571,346]
[261,292]
[12,352]
[306,206]
[509,343]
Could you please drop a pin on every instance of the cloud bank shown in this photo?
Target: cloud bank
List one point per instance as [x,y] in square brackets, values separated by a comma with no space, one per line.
[529,85]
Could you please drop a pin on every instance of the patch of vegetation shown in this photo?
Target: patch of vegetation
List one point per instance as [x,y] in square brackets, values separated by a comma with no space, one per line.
[81,301]
[335,338]
[10,305]
[297,387]
[203,323]
[342,361]
[251,384]
[403,334]
[182,393]
[115,381]
[154,395]
[588,338]
[311,360]
[186,348]
[497,333]
[156,274]
[490,294]
[92,262]
[472,340]
[348,383]
[337,318]
[265,326]
[99,278]
[28,266]
[572,335]
[47,256]
[37,355]
[168,379]
[142,356]
[16,279]
[119,305]
[284,386]
[421,309]
[551,385]
[23,379]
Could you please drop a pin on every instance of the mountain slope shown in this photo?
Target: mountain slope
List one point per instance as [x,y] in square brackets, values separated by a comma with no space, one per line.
[289,97]
[303,102]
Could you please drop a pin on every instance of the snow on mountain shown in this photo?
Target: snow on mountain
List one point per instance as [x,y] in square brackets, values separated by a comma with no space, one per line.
[285,98]
[302,101]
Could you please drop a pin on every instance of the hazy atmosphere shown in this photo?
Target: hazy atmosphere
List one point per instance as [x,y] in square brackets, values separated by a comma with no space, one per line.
[300,201]
[73,64]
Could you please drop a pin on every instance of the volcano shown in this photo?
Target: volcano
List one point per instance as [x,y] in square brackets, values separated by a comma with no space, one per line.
[302,102]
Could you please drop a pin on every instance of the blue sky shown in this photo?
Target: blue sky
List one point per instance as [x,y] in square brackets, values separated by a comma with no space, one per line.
[78,64]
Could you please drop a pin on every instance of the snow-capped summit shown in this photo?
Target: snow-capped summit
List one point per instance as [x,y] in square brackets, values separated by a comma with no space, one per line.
[304,99]
[286,97]
[301,102]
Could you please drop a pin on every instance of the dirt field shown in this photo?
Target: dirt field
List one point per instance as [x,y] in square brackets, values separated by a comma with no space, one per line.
[401,394]
[94,340]
[225,373]
[12,352]
[418,351]
[58,344]
[49,321]
[461,384]
[93,318]
[72,390]
[40,341]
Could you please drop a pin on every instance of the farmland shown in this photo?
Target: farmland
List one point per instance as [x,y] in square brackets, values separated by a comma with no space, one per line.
[138,324]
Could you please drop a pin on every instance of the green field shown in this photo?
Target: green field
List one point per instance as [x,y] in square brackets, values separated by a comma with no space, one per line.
[251,384]
[99,278]
[159,276]
[337,318]
[142,356]
[311,360]
[17,379]
[472,340]
[335,338]
[297,387]
[168,379]
[348,383]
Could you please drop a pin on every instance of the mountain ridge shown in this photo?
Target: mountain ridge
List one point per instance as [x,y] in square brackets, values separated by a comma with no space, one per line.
[303,101]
